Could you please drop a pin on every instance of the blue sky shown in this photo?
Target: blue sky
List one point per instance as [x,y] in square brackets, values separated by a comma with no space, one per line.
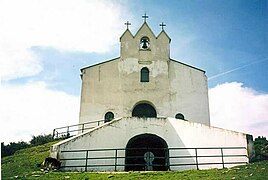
[44,45]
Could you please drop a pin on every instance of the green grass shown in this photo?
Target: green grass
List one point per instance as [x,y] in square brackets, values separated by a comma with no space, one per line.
[24,161]
[23,165]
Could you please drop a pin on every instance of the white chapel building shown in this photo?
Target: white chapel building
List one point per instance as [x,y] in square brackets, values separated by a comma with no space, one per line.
[147,111]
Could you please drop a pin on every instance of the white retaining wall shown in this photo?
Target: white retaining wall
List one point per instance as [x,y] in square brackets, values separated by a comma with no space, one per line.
[176,133]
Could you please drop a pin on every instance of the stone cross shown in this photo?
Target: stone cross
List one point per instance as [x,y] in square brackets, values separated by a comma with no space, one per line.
[145,17]
[127,24]
[149,158]
[162,25]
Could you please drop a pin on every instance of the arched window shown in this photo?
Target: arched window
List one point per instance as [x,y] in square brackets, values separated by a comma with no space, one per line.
[179,116]
[144,110]
[145,74]
[108,116]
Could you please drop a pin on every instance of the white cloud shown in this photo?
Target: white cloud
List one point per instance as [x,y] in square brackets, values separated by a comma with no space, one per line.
[32,109]
[18,62]
[239,108]
[82,25]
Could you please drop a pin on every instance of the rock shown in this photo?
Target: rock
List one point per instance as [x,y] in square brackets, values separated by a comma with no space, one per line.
[110,176]
[51,163]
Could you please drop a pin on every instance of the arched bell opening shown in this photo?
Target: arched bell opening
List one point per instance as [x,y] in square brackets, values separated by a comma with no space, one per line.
[146,152]
[144,43]
[144,110]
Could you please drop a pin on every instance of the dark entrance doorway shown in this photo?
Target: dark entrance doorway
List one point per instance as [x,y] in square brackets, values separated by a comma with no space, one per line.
[146,152]
[144,110]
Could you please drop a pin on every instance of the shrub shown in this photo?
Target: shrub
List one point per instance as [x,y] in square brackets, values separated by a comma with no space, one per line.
[11,148]
[41,139]
[261,148]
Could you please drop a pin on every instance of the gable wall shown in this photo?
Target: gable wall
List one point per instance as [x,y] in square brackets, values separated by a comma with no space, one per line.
[100,91]
[172,88]
[115,86]
[189,93]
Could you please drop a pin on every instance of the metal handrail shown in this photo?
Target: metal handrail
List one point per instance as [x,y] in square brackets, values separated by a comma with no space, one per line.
[171,148]
[67,130]
[195,157]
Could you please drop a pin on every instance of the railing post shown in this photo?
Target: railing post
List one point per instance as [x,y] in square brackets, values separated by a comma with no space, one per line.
[67,134]
[98,123]
[83,126]
[53,133]
[196,159]
[222,158]
[86,160]
[115,163]
[167,158]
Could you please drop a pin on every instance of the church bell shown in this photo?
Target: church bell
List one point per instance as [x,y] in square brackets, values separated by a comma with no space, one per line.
[144,43]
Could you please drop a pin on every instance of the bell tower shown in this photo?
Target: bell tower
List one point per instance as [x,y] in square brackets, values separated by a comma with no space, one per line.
[144,45]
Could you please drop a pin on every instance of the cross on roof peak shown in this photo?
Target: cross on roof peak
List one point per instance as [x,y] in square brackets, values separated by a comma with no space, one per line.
[127,24]
[162,25]
[145,17]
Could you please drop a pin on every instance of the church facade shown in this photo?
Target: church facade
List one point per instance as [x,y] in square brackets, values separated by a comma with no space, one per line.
[144,77]
[155,111]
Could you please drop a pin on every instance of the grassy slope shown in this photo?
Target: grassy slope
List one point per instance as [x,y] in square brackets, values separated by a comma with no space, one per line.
[24,161]
[23,164]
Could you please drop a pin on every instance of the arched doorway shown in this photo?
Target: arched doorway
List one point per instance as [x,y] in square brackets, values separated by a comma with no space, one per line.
[144,110]
[146,152]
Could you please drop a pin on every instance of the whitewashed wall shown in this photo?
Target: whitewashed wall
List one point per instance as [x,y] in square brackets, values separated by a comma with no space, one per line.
[115,85]
[176,133]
